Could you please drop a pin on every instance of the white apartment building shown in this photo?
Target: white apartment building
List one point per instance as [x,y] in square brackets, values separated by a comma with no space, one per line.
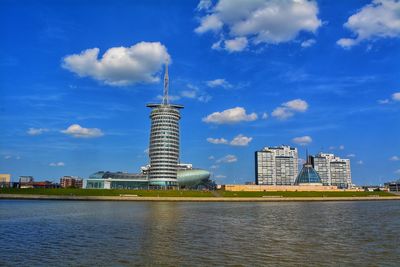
[276,165]
[333,170]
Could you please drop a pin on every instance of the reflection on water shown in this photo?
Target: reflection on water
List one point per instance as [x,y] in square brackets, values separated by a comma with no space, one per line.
[199,234]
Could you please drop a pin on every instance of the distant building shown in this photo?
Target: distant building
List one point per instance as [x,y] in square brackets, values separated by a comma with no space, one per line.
[276,165]
[333,170]
[5,180]
[308,176]
[393,186]
[26,181]
[71,181]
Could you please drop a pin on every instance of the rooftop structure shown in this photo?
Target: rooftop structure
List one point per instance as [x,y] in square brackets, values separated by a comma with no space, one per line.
[164,140]
[307,175]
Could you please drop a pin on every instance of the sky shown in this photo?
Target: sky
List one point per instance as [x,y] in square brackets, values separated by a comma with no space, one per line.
[319,75]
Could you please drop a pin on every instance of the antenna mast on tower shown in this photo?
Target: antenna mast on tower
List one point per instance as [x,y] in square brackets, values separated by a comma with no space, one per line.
[165,100]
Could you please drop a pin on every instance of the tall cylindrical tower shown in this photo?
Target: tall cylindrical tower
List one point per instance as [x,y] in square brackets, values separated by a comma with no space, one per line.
[164,141]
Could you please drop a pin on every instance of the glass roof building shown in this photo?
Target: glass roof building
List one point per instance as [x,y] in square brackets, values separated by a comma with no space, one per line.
[308,176]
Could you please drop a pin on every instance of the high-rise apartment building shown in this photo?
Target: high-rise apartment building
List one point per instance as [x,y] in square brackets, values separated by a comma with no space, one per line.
[333,170]
[276,165]
[164,141]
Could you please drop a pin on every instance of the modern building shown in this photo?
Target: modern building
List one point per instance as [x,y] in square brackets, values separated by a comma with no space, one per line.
[276,165]
[308,176]
[71,181]
[26,181]
[333,170]
[5,180]
[393,186]
[187,177]
[164,141]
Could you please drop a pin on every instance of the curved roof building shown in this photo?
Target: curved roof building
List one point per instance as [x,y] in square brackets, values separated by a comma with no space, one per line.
[164,141]
[307,175]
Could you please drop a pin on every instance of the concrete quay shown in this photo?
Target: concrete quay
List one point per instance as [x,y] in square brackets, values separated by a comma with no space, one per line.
[193,199]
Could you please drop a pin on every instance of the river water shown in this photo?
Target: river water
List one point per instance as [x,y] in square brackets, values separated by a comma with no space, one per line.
[71,233]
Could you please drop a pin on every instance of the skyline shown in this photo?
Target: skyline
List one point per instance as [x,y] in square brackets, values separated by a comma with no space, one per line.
[314,75]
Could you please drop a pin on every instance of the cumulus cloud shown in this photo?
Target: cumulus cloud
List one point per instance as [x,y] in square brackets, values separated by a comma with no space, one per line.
[193,92]
[397,171]
[236,45]
[395,158]
[228,159]
[288,109]
[120,66]
[360,162]
[241,140]
[264,116]
[57,164]
[220,176]
[204,5]
[36,131]
[217,141]
[7,157]
[219,83]
[351,155]
[302,140]
[380,19]
[77,131]
[396,96]
[230,116]
[384,101]
[308,43]
[211,157]
[259,21]
[341,147]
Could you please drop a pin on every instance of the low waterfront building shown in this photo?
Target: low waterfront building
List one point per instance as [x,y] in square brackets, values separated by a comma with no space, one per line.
[276,165]
[308,176]
[26,181]
[393,186]
[187,177]
[333,170]
[5,180]
[71,181]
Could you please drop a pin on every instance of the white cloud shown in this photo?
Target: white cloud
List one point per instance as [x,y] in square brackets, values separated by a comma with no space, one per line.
[351,155]
[227,159]
[397,171]
[380,19]
[217,141]
[384,101]
[211,157]
[308,43]
[220,176]
[57,164]
[236,45]
[193,93]
[7,157]
[395,158]
[296,105]
[302,140]
[214,167]
[264,116]
[36,131]
[396,96]
[229,116]
[204,5]
[77,131]
[288,109]
[209,23]
[341,147]
[259,21]
[360,162]
[241,140]
[120,66]
[219,83]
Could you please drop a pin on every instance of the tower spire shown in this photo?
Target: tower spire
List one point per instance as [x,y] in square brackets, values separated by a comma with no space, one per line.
[165,100]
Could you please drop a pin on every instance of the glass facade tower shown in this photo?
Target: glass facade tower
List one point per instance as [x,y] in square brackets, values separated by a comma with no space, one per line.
[164,141]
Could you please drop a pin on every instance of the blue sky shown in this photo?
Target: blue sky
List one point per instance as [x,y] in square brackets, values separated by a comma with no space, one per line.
[76,76]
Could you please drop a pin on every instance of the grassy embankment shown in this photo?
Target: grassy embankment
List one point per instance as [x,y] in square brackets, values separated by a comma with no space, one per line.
[184,193]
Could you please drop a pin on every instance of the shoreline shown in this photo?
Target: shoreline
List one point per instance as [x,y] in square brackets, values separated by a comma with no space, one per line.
[192,199]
